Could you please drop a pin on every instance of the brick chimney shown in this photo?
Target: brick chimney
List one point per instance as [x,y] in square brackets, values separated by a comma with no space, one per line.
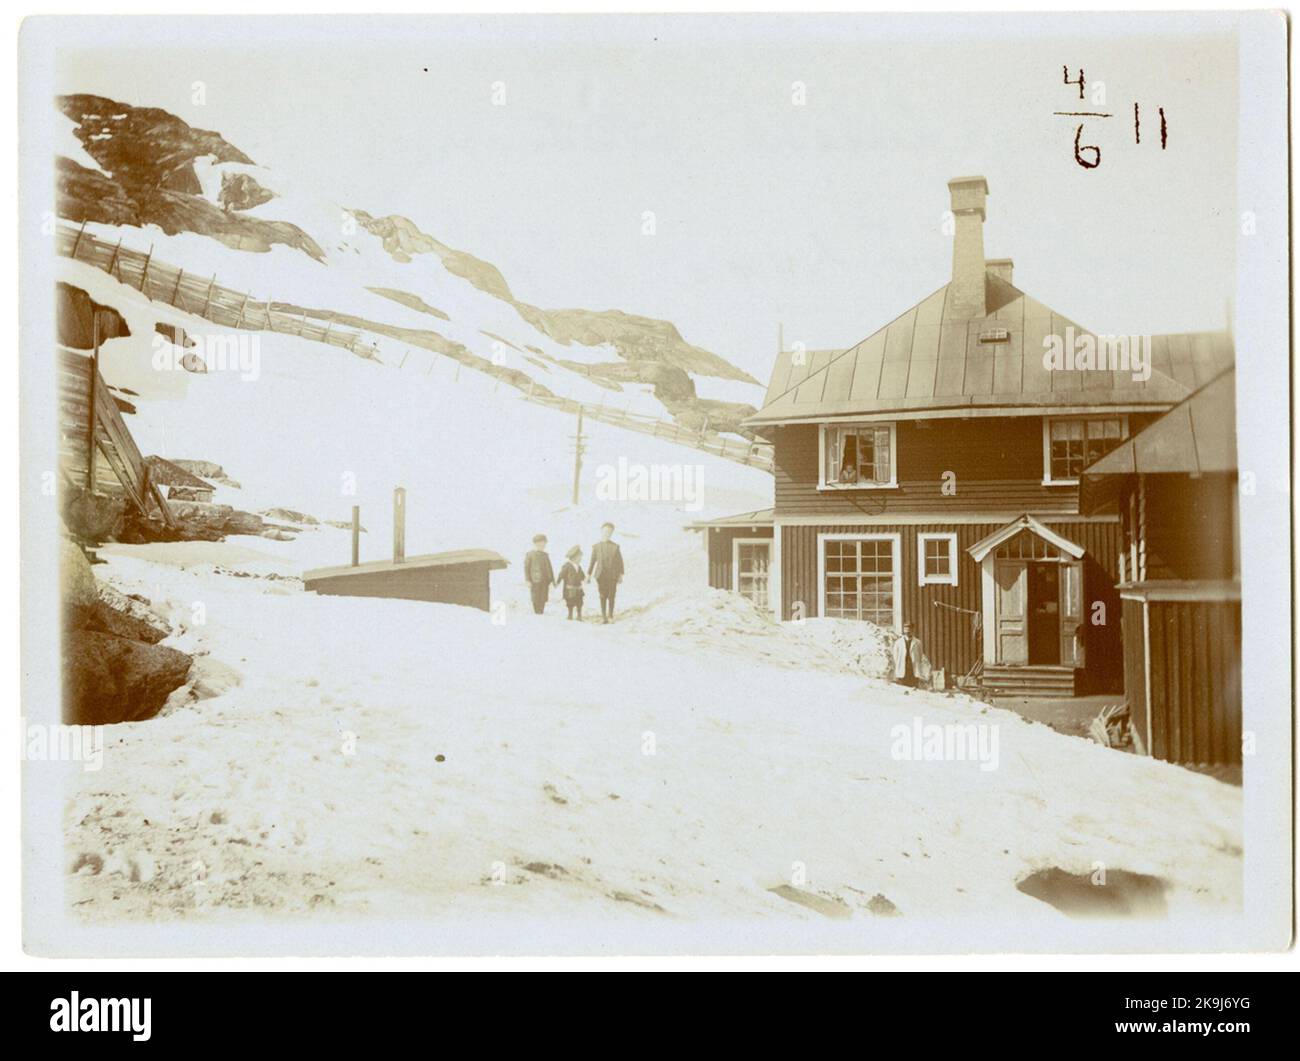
[966,296]
[1001,268]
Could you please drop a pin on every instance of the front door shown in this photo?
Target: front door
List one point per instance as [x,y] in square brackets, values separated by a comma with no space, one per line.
[1045,613]
[1011,579]
[752,566]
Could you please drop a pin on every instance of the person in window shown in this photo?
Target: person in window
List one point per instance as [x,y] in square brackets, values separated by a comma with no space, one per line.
[907,657]
[538,573]
[607,568]
[570,577]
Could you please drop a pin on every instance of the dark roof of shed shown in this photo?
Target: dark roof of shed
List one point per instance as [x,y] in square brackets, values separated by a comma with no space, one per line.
[927,361]
[495,562]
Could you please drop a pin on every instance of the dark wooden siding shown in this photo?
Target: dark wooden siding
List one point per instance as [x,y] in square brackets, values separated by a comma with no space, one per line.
[1190,526]
[1135,662]
[465,584]
[952,638]
[997,463]
[1195,666]
[720,549]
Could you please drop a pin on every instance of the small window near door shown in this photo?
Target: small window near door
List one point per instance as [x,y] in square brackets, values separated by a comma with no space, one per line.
[936,559]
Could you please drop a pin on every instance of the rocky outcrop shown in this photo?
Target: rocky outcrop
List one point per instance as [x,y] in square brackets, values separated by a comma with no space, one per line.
[239,191]
[91,517]
[209,470]
[147,177]
[114,669]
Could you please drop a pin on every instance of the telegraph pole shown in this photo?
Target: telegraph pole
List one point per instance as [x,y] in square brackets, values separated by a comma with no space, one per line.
[579,447]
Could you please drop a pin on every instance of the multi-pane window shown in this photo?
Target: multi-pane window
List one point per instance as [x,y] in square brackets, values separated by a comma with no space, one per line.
[936,558]
[752,574]
[1075,443]
[858,455]
[860,579]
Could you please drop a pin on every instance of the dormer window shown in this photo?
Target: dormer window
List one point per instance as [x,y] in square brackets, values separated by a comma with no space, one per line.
[858,457]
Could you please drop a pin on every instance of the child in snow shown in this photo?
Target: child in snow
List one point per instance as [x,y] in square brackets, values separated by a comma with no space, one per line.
[538,573]
[570,577]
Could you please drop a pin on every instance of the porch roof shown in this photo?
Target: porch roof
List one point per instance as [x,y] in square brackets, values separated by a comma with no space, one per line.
[987,544]
[761,517]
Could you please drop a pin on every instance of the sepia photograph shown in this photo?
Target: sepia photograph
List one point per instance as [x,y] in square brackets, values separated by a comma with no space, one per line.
[663,485]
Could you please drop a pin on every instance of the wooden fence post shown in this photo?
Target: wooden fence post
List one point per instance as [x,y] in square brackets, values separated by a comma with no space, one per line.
[112,262]
[356,535]
[177,289]
[399,525]
[144,275]
[77,242]
[208,301]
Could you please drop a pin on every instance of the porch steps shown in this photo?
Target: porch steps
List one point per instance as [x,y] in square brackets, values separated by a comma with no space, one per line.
[1038,680]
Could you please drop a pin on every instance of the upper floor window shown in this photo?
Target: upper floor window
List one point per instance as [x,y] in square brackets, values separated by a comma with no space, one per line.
[858,456]
[1071,443]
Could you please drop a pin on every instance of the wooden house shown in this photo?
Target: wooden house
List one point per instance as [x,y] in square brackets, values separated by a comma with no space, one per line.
[1174,487]
[930,474]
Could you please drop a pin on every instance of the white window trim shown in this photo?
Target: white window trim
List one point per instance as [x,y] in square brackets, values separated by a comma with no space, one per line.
[894,537]
[822,484]
[1047,442]
[736,543]
[922,579]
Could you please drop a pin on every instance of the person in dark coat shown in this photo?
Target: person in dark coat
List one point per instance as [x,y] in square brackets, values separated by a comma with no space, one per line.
[607,568]
[538,573]
[570,577]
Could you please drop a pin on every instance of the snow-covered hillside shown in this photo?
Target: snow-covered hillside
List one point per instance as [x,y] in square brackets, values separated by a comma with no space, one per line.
[145,177]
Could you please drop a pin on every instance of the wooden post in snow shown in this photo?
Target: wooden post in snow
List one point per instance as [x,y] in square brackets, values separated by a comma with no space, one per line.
[356,535]
[144,275]
[399,525]
[90,425]
[177,289]
[77,242]
[208,301]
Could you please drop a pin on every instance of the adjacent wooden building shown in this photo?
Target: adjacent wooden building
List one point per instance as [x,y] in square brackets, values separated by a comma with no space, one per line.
[931,473]
[1174,487]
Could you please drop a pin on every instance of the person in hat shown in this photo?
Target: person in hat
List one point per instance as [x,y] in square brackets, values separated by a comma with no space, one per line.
[538,573]
[908,658]
[607,569]
[570,577]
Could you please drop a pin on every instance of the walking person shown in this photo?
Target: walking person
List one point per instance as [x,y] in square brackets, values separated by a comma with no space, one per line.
[538,573]
[907,658]
[570,577]
[607,568]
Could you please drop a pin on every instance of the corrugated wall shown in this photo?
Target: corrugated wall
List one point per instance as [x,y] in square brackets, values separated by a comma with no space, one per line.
[1196,681]
[952,638]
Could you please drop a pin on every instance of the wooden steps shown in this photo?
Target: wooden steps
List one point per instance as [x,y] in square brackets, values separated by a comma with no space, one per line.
[1045,680]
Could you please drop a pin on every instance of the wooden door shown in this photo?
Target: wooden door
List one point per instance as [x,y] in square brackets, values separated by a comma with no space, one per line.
[1011,581]
[1071,613]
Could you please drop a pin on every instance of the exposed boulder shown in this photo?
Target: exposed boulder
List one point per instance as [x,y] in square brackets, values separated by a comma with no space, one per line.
[109,679]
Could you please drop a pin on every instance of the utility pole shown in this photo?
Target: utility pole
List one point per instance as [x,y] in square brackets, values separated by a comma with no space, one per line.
[579,447]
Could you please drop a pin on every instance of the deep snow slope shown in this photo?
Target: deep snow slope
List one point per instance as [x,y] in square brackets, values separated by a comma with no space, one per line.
[144,176]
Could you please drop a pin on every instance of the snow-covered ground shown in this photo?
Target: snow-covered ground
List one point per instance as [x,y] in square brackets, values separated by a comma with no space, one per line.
[356,757]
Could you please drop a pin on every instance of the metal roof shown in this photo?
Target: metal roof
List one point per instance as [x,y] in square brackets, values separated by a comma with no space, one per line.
[495,562]
[928,361]
[761,517]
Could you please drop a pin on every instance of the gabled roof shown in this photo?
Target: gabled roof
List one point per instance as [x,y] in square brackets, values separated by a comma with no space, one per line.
[927,362]
[1027,522]
[1196,437]
[454,558]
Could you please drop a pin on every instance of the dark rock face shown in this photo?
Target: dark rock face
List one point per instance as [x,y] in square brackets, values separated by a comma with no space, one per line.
[91,517]
[114,670]
[109,679]
[147,157]
[239,191]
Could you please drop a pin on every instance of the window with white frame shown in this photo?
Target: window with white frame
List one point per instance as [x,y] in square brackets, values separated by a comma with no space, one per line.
[860,577]
[1071,443]
[936,559]
[858,456]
